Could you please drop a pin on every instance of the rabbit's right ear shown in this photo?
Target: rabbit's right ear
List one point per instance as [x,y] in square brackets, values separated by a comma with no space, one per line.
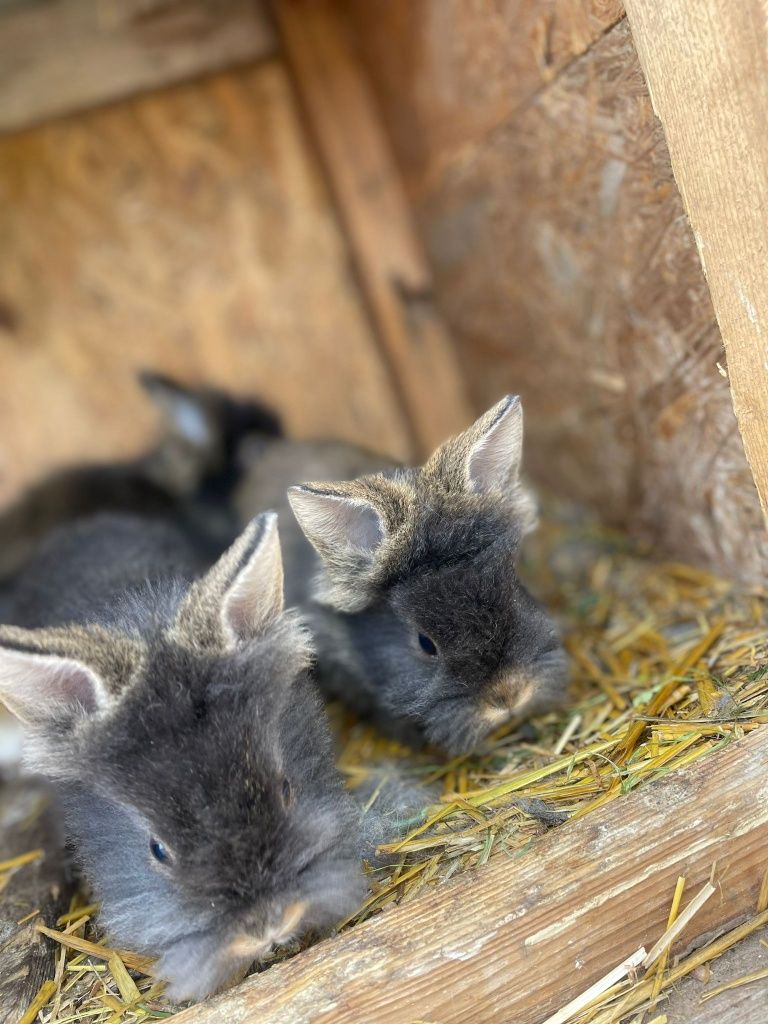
[241,595]
[335,522]
[349,525]
[48,675]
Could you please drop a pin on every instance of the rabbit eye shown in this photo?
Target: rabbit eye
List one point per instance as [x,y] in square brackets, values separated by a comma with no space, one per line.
[286,793]
[428,645]
[159,851]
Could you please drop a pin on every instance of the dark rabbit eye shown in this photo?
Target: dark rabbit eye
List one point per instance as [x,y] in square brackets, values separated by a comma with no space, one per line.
[159,851]
[286,792]
[427,645]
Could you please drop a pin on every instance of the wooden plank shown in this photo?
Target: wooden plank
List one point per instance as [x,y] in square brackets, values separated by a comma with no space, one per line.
[27,823]
[743,1005]
[564,263]
[391,267]
[60,56]
[187,230]
[514,941]
[706,65]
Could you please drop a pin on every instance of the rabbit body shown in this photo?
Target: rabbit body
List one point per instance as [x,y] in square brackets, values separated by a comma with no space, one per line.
[169,705]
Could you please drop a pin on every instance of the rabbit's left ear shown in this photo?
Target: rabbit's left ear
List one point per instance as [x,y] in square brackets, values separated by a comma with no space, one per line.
[496,447]
[487,459]
[241,595]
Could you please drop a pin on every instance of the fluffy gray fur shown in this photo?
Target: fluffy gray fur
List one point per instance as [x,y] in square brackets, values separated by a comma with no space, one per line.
[165,705]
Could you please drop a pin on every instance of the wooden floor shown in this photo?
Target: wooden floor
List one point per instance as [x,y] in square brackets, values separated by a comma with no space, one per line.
[747,1004]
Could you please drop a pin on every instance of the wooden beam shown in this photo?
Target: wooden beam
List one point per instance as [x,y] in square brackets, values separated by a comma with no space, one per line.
[706,65]
[515,940]
[60,56]
[369,194]
[27,824]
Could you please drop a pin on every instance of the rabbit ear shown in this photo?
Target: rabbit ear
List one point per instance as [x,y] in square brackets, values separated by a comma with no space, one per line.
[337,523]
[241,595]
[186,416]
[47,674]
[486,459]
[495,447]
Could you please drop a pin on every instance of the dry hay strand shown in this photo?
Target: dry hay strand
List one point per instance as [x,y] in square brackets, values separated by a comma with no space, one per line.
[624,997]
[669,664]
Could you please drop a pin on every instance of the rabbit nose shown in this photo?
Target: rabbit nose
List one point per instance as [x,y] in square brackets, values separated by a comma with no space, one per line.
[291,919]
[509,693]
[245,946]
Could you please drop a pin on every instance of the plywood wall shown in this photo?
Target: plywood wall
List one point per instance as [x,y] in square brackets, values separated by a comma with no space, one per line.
[563,259]
[188,230]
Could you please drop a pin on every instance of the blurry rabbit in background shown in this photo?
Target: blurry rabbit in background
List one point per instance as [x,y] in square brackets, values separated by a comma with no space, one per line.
[186,478]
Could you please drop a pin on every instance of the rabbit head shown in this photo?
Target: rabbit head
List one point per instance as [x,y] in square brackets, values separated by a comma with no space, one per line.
[430,617]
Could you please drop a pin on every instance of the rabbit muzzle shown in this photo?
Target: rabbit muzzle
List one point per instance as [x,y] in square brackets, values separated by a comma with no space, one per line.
[245,945]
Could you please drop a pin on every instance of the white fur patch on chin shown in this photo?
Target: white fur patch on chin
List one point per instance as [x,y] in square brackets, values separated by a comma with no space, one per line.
[194,973]
[515,693]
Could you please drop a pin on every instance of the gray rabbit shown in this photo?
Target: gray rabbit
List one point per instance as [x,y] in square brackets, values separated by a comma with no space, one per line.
[171,710]
[410,583]
[187,477]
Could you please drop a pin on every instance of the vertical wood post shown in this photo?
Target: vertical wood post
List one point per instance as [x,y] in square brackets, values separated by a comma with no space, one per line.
[706,64]
[374,211]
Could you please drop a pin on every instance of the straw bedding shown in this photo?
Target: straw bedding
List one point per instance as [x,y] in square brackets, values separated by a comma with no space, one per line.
[669,663]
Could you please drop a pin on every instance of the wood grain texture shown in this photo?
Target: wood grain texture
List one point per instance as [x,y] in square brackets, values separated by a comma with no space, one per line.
[515,940]
[60,56]
[706,65]
[564,263]
[366,185]
[189,231]
[26,957]
[450,72]
[744,1005]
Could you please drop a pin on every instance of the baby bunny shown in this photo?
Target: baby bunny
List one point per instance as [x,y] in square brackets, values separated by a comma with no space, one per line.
[183,478]
[176,723]
[420,618]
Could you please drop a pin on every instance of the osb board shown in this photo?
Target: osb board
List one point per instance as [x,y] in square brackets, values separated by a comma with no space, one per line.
[394,275]
[58,56]
[188,230]
[564,262]
[450,71]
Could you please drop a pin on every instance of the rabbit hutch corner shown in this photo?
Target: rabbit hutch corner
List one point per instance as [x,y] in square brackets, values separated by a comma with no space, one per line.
[381,217]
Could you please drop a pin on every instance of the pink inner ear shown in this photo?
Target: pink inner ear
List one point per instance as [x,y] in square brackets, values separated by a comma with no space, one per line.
[494,462]
[337,521]
[41,687]
[255,597]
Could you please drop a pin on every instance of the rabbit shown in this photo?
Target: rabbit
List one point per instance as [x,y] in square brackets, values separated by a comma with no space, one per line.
[186,477]
[408,579]
[170,708]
